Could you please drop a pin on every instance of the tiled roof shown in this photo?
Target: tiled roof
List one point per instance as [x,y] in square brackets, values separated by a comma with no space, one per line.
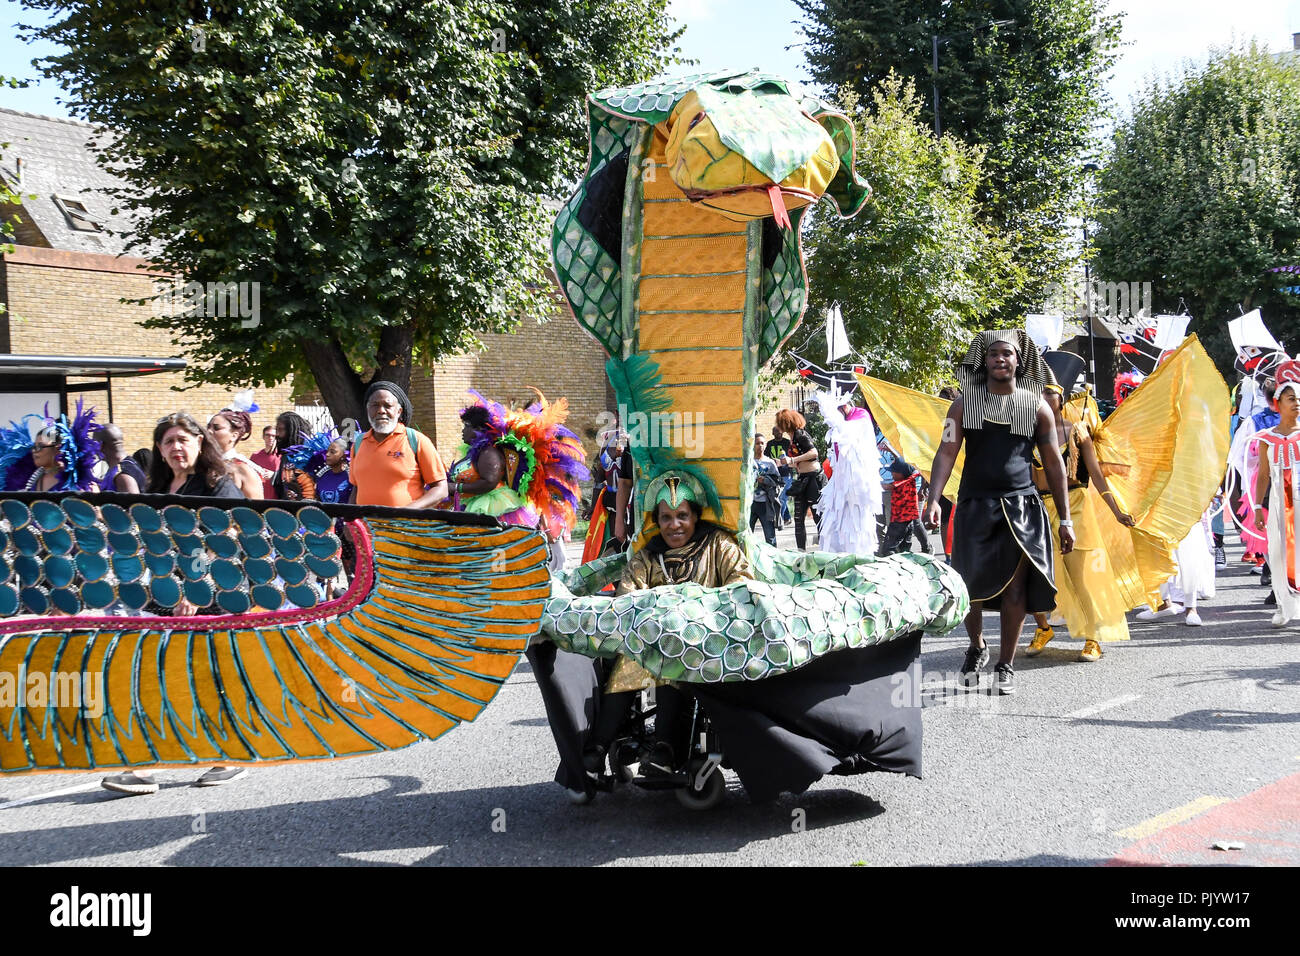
[58,159]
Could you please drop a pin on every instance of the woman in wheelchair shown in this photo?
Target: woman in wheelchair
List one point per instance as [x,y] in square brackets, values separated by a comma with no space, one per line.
[687,549]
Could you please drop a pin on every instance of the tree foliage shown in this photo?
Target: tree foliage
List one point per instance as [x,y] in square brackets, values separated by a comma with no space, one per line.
[916,272]
[1200,194]
[1027,93]
[378,167]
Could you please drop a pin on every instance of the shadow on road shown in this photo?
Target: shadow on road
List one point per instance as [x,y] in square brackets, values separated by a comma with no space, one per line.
[1230,720]
[524,824]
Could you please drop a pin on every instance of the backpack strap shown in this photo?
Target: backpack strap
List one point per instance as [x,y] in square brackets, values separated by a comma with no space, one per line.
[356,442]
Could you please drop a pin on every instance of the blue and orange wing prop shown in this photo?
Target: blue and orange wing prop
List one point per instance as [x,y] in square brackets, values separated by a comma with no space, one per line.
[435,618]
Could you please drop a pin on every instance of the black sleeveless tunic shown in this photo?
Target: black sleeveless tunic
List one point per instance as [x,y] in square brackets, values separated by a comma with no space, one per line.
[1000,520]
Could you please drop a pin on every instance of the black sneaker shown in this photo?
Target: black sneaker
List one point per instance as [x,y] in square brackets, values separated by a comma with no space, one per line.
[1270,600]
[1220,559]
[1004,679]
[1266,577]
[976,658]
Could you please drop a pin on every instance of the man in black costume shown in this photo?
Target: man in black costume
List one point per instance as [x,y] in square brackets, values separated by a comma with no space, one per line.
[1002,546]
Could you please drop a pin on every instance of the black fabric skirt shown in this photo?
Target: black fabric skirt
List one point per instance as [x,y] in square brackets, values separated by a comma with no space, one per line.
[989,538]
[845,713]
[571,690]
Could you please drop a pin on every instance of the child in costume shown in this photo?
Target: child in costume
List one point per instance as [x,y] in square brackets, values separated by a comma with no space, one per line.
[324,458]
[1278,483]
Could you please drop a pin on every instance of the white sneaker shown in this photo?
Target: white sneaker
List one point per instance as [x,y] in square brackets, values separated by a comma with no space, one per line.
[1193,619]
[1169,611]
[1280,619]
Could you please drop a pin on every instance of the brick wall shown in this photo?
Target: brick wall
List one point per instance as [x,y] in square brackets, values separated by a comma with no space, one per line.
[62,303]
[557,357]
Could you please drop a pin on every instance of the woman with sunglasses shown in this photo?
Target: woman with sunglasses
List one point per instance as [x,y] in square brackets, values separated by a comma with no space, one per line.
[60,456]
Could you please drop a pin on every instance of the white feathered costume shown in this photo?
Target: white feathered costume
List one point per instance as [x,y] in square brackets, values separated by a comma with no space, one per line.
[852,498]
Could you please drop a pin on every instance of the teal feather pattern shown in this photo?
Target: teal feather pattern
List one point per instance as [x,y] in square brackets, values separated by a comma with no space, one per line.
[635,379]
[636,383]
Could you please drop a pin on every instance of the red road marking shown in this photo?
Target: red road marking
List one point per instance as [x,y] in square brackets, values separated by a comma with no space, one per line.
[1267,821]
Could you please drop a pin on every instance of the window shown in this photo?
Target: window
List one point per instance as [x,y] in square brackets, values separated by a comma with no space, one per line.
[79,216]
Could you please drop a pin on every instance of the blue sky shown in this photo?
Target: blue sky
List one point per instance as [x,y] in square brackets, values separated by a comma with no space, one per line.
[722,34]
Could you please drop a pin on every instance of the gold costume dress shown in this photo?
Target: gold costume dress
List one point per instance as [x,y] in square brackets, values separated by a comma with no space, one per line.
[712,558]
[1087,595]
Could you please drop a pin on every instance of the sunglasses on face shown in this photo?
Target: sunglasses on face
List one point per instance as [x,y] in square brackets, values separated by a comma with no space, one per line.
[43,447]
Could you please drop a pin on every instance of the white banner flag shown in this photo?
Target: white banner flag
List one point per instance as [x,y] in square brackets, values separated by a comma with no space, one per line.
[1250,330]
[837,341]
[1046,330]
[1170,331]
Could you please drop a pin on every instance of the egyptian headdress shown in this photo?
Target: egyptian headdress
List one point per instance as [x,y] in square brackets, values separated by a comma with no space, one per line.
[1032,375]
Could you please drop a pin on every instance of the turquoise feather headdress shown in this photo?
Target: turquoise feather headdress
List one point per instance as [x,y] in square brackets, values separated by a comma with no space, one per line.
[635,380]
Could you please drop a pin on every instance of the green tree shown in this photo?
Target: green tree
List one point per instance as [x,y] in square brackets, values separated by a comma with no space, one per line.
[1200,194]
[1028,93]
[916,272]
[379,168]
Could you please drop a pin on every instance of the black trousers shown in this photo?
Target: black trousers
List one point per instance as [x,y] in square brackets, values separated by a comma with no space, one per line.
[763,513]
[899,534]
[806,492]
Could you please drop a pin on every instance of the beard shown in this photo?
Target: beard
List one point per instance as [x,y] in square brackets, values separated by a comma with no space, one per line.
[385,428]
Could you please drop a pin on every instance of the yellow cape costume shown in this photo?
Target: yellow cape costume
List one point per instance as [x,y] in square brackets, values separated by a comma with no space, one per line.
[1162,451]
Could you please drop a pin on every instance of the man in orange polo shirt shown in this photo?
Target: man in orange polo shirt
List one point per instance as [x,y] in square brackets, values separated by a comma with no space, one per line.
[388,468]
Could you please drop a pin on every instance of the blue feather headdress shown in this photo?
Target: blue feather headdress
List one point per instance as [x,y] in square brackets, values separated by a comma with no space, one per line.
[311,453]
[78,451]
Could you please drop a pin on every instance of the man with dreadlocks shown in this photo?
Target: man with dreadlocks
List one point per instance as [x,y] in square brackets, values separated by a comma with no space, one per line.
[1002,546]
[290,483]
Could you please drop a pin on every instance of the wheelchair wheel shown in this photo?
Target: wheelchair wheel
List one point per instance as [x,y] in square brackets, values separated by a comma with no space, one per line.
[708,796]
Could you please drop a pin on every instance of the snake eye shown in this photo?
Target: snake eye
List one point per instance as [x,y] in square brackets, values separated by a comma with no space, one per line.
[695,121]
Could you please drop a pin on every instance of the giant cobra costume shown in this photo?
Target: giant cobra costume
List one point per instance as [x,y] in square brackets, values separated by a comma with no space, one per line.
[680,253]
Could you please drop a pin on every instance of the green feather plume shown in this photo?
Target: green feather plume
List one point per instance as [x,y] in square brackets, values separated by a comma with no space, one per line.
[635,380]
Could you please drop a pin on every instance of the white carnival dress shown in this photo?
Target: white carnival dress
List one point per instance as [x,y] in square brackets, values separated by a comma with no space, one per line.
[1282,455]
[852,498]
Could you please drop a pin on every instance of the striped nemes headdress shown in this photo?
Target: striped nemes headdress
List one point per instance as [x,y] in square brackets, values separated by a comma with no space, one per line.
[1032,375]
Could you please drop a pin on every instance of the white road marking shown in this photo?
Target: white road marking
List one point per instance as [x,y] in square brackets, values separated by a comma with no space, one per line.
[398,855]
[1104,705]
[80,788]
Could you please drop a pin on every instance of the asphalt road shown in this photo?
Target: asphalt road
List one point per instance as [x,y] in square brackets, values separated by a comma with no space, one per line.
[1180,737]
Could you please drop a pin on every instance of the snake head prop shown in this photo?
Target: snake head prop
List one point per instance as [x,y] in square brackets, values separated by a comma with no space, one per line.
[749,152]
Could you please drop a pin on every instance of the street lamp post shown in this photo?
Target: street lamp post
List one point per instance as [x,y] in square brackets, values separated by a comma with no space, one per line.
[935,40]
[1087,292]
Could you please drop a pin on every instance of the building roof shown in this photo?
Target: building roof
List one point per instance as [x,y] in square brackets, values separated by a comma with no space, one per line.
[87,365]
[58,167]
